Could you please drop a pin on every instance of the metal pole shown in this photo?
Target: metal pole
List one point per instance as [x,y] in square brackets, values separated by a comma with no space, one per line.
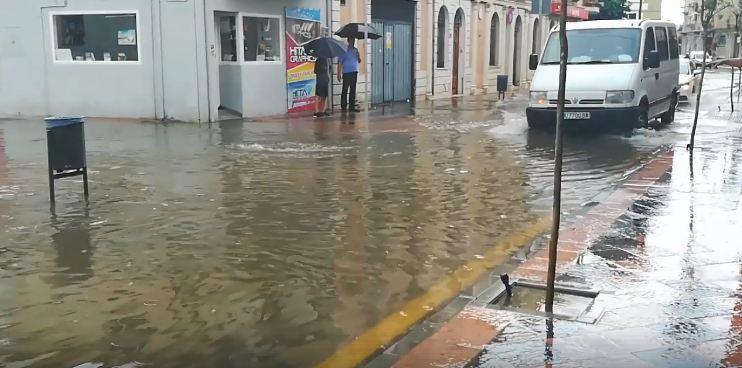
[368,66]
[641,5]
[557,205]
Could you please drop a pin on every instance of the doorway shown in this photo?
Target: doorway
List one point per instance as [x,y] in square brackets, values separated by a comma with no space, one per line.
[392,62]
[230,72]
[392,55]
[518,40]
[458,53]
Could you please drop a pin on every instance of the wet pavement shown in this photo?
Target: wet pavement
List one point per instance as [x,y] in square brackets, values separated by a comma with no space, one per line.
[274,242]
[660,287]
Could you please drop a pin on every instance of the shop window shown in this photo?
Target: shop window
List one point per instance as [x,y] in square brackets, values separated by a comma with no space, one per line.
[96,37]
[228,37]
[262,38]
[494,38]
[442,38]
[722,42]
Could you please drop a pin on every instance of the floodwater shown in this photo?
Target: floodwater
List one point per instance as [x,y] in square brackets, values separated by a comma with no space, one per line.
[266,243]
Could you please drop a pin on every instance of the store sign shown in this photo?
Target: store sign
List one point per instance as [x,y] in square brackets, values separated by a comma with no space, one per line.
[572,11]
[302,26]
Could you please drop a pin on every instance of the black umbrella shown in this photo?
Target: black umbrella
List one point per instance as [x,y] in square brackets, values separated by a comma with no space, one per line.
[325,47]
[358,31]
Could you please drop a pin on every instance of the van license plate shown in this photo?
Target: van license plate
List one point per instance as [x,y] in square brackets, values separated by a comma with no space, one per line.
[572,115]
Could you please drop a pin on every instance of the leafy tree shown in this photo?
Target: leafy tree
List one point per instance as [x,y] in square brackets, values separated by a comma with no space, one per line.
[612,9]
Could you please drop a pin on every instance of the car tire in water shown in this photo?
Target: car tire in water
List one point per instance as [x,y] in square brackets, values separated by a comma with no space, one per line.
[642,118]
[669,116]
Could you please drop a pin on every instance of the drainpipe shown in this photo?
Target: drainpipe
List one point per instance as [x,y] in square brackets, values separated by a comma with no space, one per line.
[328,21]
[432,46]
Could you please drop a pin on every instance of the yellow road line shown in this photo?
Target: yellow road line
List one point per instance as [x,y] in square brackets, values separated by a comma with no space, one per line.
[390,328]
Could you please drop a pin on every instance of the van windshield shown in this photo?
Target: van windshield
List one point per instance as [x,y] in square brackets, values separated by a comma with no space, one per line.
[596,46]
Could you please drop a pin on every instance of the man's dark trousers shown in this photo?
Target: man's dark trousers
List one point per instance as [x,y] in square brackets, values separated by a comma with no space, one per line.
[349,91]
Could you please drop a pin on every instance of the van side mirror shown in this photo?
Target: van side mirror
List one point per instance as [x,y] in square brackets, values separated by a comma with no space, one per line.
[652,60]
[533,62]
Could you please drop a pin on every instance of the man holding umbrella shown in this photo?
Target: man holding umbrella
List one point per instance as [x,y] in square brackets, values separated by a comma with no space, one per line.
[348,68]
[348,74]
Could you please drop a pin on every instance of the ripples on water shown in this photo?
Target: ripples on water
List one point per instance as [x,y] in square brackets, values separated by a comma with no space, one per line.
[257,245]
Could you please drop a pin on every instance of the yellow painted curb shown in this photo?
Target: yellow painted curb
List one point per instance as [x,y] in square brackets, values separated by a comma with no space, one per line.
[390,328]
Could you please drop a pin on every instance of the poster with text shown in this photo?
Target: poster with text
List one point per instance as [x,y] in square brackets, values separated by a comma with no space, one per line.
[302,26]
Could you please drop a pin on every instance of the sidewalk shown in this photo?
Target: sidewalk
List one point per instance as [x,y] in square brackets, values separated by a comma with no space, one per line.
[664,257]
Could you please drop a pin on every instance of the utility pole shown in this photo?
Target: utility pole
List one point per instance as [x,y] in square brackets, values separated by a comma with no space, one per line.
[556,210]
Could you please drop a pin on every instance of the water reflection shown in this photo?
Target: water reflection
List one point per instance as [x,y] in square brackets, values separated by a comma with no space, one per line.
[261,244]
[73,245]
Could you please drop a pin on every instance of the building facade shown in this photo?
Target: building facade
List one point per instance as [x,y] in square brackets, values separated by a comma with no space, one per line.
[206,60]
[722,37]
[650,9]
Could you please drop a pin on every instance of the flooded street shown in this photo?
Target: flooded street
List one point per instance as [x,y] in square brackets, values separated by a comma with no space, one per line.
[270,243]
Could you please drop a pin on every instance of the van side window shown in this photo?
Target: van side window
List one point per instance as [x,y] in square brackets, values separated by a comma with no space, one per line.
[661,35]
[649,41]
[674,45]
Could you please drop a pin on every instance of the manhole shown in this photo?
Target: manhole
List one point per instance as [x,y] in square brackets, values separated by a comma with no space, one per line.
[569,303]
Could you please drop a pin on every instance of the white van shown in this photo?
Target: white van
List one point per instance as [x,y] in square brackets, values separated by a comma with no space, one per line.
[620,73]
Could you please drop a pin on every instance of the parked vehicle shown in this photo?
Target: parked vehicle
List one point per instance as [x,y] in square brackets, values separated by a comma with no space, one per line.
[697,58]
[620,73]
[688,80]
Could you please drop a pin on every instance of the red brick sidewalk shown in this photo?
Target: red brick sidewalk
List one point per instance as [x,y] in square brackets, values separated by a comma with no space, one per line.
[466,335]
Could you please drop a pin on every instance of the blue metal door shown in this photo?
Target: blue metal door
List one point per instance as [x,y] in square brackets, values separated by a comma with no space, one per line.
[392,62]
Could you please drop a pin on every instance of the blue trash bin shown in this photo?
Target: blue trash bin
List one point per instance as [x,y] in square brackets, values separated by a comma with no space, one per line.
[65,143]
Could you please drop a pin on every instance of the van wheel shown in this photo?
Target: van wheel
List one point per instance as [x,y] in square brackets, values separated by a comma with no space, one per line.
[669,116]
[643,115]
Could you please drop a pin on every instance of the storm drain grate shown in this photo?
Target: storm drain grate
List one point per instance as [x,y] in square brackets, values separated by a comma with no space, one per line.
[569,303]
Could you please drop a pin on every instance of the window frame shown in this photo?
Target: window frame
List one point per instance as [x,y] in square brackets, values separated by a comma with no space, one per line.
[644,50]
[446,42]
[241,38]
[236,41]
[53,35]
[496,57]
[673,42]
[664,53]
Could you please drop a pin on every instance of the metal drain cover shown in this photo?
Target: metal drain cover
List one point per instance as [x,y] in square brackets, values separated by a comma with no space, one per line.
[570,304]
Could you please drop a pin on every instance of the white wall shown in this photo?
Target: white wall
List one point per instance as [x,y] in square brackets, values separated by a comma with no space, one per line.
[263,86]
[230,87]
[444,76]
[22,72]
[167,81]
[103,90]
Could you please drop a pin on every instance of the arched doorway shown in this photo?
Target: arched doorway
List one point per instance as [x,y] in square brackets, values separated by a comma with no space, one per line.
[536,46]
[458,52]
[517,41]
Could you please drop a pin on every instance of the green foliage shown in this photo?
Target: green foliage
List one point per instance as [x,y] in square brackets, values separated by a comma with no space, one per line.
[612,9]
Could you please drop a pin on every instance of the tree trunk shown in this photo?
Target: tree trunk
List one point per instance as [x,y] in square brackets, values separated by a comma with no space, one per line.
[692,143]
[558,140]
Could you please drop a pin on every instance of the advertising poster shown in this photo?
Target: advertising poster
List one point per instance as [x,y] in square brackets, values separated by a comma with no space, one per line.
[302,26]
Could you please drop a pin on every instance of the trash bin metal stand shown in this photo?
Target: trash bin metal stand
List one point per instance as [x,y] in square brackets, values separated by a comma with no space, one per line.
[65,142]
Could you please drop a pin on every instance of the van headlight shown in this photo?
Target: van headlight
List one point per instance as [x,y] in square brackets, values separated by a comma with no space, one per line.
[619,97]
[538,97]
